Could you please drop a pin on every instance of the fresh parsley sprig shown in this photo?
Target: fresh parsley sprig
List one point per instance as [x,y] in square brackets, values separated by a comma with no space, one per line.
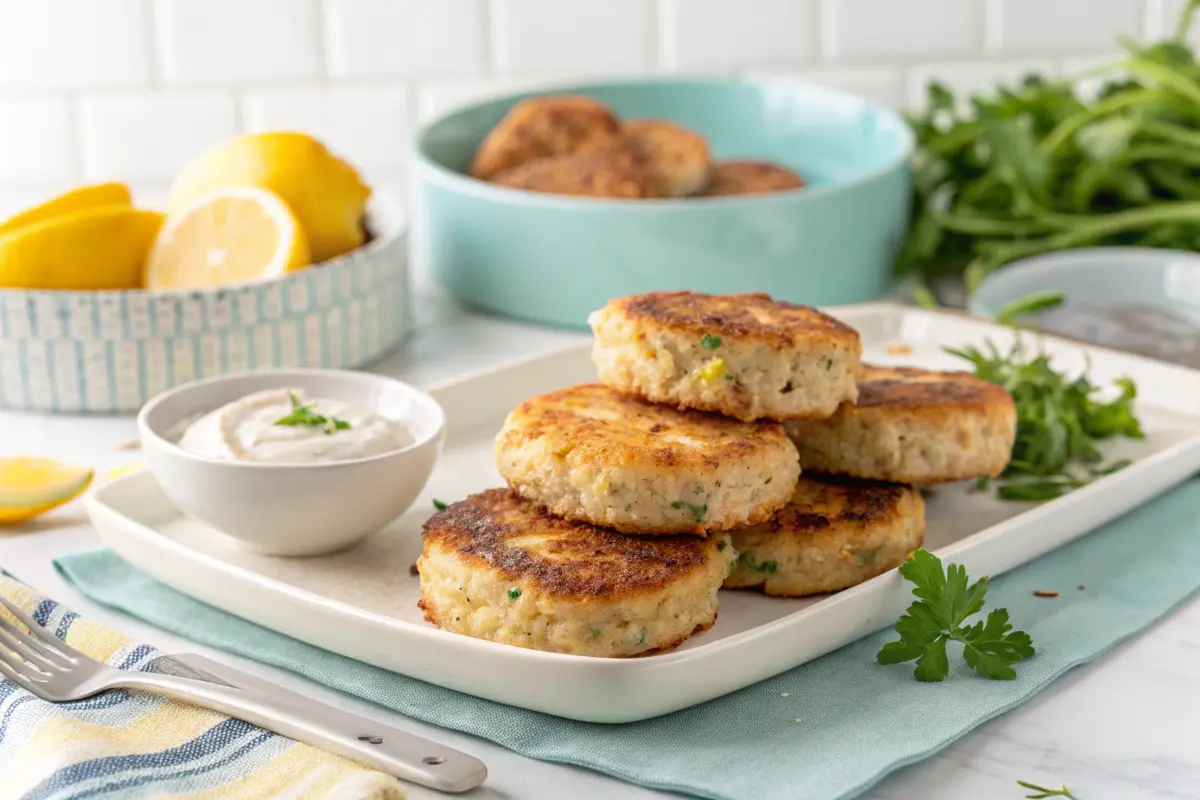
[1060,422]
[990,647]
[303,415]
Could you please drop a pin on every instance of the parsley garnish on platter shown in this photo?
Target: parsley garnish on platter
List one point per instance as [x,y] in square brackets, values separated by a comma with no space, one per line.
[990,647]
[1059,422]
[1042,791]
[303,415]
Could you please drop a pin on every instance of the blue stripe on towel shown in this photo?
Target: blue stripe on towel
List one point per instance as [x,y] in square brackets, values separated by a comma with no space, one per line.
[216,738]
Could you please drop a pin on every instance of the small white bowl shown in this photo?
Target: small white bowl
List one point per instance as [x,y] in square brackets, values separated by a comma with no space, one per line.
[293,509]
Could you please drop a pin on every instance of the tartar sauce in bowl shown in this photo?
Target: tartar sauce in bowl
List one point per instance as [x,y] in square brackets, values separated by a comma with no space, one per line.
[286,426]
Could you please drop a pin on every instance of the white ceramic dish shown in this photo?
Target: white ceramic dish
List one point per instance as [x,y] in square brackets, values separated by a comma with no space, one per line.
[293,509]
[362,602]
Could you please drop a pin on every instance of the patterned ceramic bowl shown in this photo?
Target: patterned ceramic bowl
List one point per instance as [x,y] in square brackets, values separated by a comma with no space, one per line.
[110,352]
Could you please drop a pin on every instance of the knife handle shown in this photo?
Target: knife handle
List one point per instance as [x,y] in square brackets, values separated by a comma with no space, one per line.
[375,744]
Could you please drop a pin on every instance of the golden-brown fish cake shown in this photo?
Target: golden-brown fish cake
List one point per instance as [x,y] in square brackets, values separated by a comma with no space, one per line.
[743,355]
[676,157]
[727,178]
[834,533]
[611,171]
[593,454]
[495,567]
[913,426]
[539,127]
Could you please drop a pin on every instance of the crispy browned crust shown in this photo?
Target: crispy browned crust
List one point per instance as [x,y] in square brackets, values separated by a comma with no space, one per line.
[676,157]
[916,389]
[609,171]
[727,178]
[544,126]
[749,317]
[584,416]
[500,531]
[826,502]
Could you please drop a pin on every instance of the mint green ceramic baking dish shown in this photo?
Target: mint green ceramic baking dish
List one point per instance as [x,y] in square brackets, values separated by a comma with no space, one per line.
[552,259]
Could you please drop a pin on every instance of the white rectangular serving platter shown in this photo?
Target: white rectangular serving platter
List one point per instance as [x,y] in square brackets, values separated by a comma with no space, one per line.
[363,603]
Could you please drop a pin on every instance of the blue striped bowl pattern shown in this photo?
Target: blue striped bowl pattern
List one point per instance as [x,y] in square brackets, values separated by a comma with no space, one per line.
[110,352]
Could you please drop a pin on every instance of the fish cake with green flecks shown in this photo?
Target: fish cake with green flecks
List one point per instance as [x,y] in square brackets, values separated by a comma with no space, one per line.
[913,425]
[743,355]
[835,533]
[496,567]
[593,454]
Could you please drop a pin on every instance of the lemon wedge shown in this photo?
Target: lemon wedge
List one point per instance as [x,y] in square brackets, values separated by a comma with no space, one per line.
[325,193]
[85,197]
[97,248]
[230,235]
[33,486]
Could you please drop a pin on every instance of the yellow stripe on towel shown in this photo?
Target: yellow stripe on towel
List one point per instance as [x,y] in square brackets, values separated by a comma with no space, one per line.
[306,773]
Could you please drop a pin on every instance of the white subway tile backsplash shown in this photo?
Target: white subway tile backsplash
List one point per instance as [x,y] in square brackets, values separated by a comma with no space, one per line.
[968,77]
[1055,26]
[73,43]
[406,38]
[36,144]
[132,89]
[878,29]
[235,41]
[597,36]
[149,137]
[882,85]
[369,126]
[718,34]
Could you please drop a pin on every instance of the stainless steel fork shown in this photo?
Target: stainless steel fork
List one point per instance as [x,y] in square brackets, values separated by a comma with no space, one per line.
[45,665]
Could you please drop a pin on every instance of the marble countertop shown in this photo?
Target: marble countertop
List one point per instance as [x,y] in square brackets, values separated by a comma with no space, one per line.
[1125,726]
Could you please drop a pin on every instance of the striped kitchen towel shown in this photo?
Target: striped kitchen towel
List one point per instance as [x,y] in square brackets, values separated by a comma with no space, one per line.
[123,744]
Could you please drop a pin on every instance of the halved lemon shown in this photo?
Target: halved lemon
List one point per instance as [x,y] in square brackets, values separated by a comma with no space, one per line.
[95,196]
[230,235]
[33,486]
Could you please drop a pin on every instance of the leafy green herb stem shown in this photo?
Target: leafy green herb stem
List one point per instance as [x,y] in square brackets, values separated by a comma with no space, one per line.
[1066,129]
[1085,233]
[1043,792]
[1162,76]
[1029,304]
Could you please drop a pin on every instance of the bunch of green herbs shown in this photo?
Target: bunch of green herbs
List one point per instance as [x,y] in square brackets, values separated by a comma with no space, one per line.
[1060,421]
[1039,166]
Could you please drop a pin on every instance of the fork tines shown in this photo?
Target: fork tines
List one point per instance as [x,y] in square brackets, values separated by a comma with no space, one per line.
[33,656]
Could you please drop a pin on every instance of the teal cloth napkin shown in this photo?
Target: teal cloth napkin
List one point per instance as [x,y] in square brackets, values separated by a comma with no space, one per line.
[858,720]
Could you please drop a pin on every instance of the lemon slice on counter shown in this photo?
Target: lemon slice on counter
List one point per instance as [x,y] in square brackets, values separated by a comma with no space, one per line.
[84,197]
[33,486]
[326,194]
[230,235]
[97,248]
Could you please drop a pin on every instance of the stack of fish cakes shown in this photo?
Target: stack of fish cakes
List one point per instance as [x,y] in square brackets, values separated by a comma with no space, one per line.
[632,501]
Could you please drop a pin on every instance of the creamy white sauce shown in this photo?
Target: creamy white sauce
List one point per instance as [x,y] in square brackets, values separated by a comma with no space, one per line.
[248,430]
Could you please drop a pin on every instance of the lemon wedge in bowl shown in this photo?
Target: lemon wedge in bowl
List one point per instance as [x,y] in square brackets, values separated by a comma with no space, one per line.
[80,199]
[228,236]
[91,249]
[33,486]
